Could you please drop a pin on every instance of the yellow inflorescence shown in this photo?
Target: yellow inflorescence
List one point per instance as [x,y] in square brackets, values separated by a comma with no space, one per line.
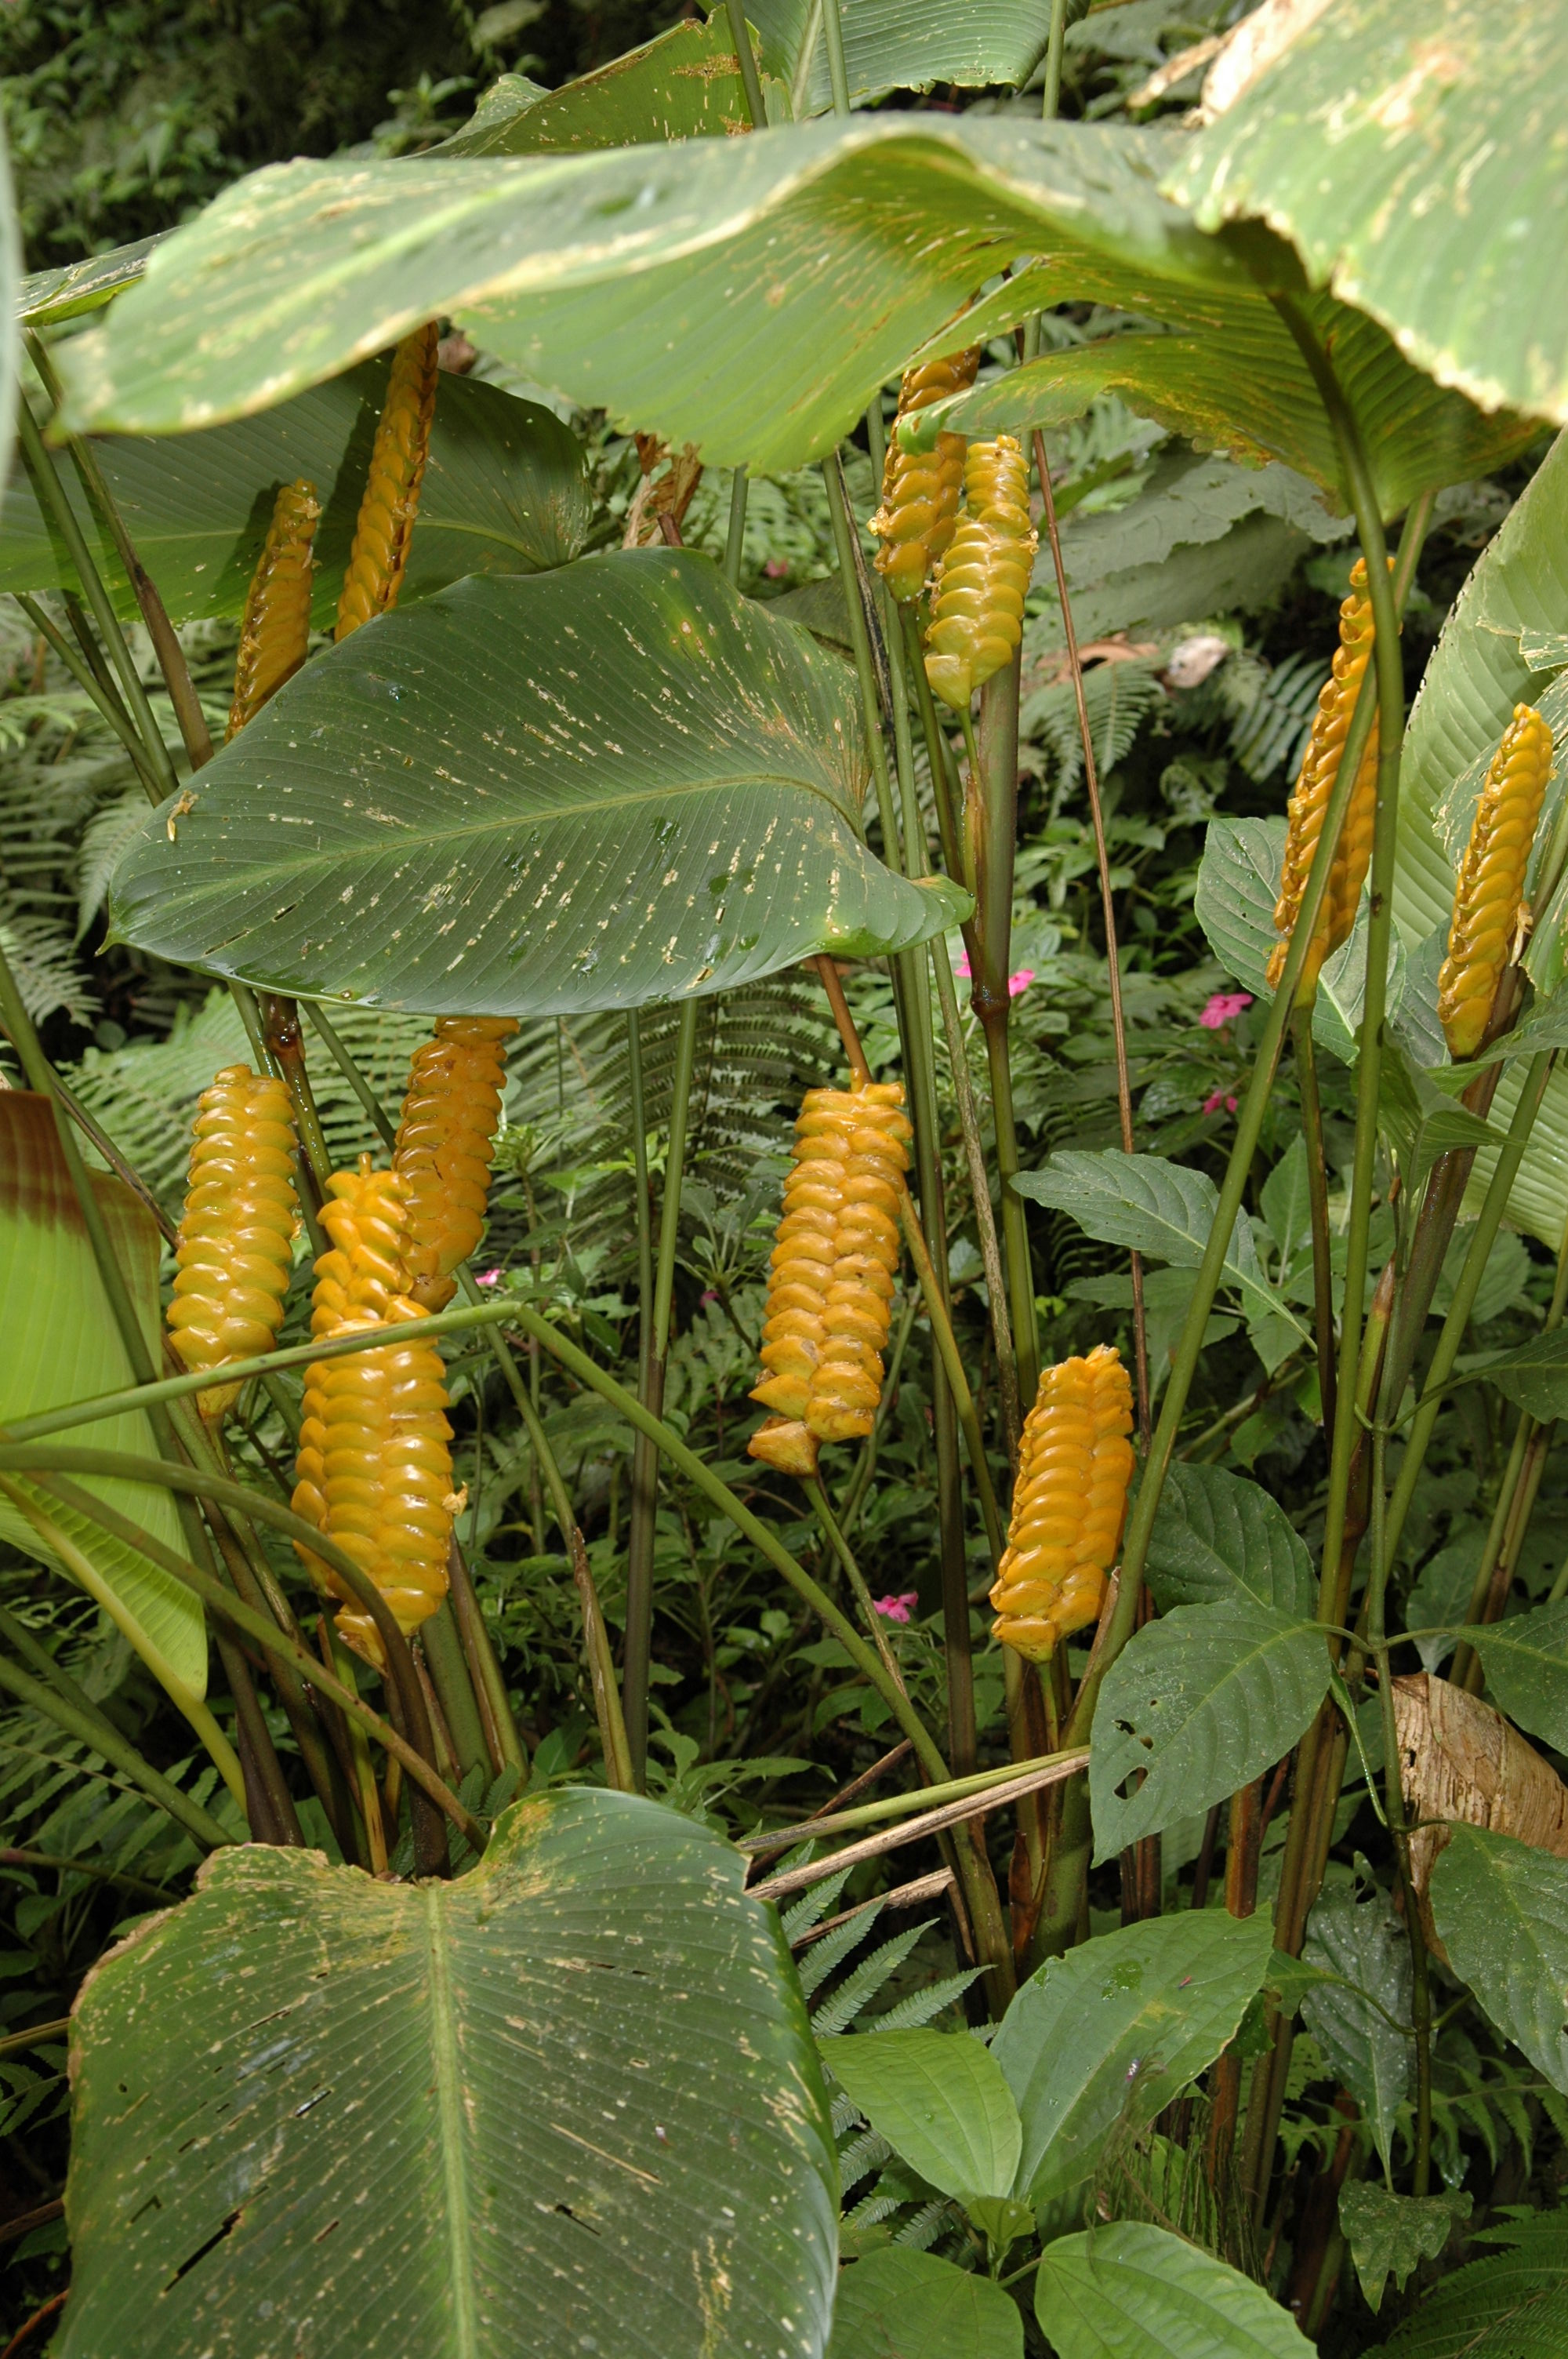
[374,1467]
[390,501]
[920,490]
[443,1148]
[830,1294]
[237,1230]
[274,635]
[976,611]
[1490,892]
[1320,768]
[1075,1465]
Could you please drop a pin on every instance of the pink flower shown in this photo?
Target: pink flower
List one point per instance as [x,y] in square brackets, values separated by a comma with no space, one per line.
[896,1609]
[776,568]
[1222,1008]
[962,968]
[710,1296]
[1019,982]
[1212,1104]
[488,1277]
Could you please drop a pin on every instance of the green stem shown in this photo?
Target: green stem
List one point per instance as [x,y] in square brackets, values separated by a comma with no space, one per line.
[837,74]
[1052,101]
[351,1073]
[1317,1203]
[646,1456]
[1494,1205]
[277,1644]
[852,1573]
[108,705]
[699,1472]
[735,540]
[745,58]
[52,496]
[963,1399]
[454,1690]
[100,1737]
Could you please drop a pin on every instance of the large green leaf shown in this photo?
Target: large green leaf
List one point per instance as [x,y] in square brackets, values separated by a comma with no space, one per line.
[1361,1942]
[1217,1536]
[10,276]
[1240,383]
[1155,1207]
[62,1344]
[1501,1912]
[1511,2305]
[684,85]
[44,296]
[747,295]
[1533,1375]
[1389,2235]
[1135,2291]
[897,2304]
[1110,2033]
[616,783]
[504,492]
[1485,664]
[901,45]
[1413,153]
[1525,1659]
[940,2101]
[569,2103]
[1203,1701]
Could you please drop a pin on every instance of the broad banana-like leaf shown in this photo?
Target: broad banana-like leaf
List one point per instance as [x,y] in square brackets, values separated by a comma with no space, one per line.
[62,1344]
[1412,152]
[901,45]
[77,287]
[1241,385]
[684,85]
[615,784]
[747,295]
[1486,662]
[504,492]
[569,2103]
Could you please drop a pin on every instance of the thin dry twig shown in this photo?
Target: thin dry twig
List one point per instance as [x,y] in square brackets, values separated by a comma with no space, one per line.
[930,1822]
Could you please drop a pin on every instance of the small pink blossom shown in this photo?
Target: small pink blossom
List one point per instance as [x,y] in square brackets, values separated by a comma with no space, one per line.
[776,568]
[1212,1104]
[712,1296]
[962,969]
[1019,982]
[488,1277]
[1222,1008]
[896,1609]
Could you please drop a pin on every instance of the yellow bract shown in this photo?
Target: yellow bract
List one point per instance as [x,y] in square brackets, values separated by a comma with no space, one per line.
[1490,895]
[1075,1465]
[444,1146]
[236,1234]
[1320,768]
[830,1294]
[920,491]
[977,612]
[390,501]
[374,1466]
[275,635]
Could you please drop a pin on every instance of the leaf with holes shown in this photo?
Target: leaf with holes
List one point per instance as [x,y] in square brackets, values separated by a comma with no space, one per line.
[505,491]
[616,783]
[1443,207]
[1110,2033]
[897,2304]
[684,85]
[1201,1702]
[1501,1912]
[1389,2235]
[582,2078]
[748,295]
[939,2100]
[1361,1941]
[1217,1537]
[1135,2291]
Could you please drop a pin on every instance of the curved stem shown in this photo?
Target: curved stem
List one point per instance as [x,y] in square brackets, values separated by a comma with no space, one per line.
[852,1573]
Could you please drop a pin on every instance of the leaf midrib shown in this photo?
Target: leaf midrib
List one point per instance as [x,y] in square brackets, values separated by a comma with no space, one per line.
[450,2119]
[338,858]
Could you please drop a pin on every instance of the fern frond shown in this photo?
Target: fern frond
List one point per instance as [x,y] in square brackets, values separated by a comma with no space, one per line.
[835,2014]
[923,2006]
[42,956]
[827,1955]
